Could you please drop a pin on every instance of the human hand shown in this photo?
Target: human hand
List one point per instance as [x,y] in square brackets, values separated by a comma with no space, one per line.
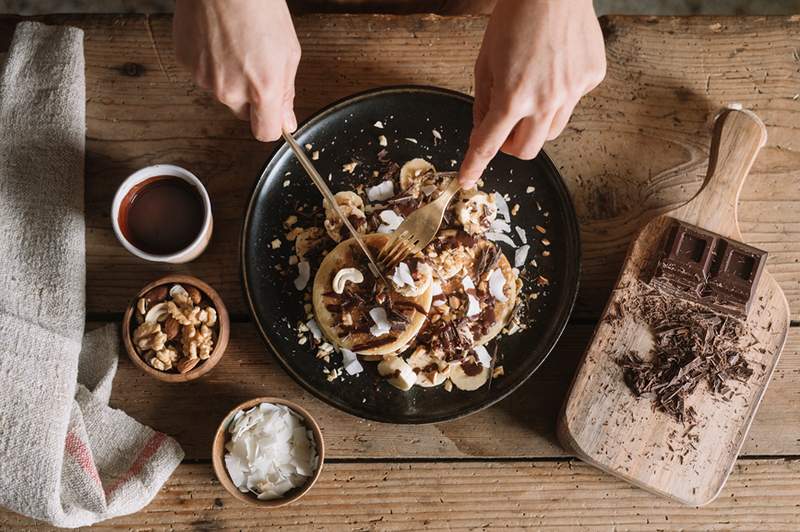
[537,59]
[246,52]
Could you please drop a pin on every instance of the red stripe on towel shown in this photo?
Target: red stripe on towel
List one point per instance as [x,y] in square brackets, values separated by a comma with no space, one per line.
[80,452]
[150,448]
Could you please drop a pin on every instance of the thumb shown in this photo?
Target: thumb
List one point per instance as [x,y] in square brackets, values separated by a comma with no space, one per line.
[484,143]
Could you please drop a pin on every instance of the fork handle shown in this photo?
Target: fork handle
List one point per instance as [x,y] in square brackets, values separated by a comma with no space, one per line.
[452,188]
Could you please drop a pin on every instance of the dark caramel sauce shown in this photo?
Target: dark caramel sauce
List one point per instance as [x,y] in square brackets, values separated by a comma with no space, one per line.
[162,215]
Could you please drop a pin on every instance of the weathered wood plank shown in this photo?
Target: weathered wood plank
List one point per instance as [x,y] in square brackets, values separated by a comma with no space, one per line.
[760,495]
[521,426]
[635,146]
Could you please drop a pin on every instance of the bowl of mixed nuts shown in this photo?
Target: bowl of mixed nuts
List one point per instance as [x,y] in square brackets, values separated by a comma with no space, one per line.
[176,329]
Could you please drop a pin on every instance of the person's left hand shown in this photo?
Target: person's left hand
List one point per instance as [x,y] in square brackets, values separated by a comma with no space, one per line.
[538,58]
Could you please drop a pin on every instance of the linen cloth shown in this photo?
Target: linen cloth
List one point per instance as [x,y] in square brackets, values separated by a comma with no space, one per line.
[66,457]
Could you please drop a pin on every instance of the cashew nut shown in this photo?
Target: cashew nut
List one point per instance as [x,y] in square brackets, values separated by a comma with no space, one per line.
[344,275]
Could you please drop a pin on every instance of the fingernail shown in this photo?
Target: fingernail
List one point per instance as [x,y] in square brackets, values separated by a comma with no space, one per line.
[290,121]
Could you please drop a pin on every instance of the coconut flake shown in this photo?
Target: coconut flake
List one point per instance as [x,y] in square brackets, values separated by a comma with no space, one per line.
[483,356]
[303,275]
[436,288]
[270,452]
[474,306]
[391,221]
[378,124]
[499,237]
[382,325]
[350,362]
[382,191]
[467,283]
[499,226]
[497,281]
[314,328]
[428,189]
[522,235]
[402,276]
[502,207]
[520,255]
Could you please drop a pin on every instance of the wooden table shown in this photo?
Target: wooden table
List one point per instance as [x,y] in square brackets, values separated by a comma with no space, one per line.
[635,146]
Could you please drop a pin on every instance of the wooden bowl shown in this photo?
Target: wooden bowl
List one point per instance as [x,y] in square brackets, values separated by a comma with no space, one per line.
[204,366]
[223,436]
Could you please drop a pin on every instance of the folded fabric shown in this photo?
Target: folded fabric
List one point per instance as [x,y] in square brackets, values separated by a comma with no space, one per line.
[66,457]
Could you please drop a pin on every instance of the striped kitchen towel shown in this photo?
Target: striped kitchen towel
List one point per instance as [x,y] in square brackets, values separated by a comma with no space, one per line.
[66,457]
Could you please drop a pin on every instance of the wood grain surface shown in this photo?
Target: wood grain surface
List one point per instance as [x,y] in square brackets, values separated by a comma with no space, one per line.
[761,495]
[635,146]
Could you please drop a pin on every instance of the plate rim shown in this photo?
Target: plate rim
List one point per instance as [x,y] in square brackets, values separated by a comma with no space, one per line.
[573,238]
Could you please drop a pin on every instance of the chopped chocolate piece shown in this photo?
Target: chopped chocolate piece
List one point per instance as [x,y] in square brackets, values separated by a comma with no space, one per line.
[374,343]
[709,269]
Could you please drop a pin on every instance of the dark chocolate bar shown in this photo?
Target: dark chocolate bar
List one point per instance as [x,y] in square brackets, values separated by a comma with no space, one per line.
[709,269]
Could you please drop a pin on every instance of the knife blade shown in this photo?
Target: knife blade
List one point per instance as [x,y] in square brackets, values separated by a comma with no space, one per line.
[308,166]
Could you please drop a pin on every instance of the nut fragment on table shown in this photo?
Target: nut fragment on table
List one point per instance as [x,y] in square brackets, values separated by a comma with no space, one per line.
[176,328]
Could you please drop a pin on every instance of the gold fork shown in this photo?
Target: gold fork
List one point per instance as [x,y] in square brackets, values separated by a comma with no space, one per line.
[419,228]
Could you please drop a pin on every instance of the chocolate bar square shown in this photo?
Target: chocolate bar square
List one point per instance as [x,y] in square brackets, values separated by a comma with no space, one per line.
[685,264]
[709,269]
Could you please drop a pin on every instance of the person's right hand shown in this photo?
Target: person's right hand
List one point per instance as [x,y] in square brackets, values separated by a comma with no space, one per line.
[246,52]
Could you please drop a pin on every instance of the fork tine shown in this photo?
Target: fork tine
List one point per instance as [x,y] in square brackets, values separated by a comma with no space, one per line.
[397,253]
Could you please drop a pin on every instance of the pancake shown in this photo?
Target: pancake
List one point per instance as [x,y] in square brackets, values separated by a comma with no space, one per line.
[345,318]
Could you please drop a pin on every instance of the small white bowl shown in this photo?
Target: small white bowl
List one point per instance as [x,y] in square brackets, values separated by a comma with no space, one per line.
[198,245]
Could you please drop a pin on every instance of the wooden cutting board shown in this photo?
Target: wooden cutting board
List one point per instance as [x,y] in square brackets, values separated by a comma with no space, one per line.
[602,421]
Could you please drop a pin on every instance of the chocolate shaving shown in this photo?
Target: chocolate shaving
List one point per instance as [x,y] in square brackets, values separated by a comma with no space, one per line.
[487,260]
[374,343]
[691,345]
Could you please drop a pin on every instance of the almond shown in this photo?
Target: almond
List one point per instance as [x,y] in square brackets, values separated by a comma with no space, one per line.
[186,364]
[194,294]
[171,328]
[156,295]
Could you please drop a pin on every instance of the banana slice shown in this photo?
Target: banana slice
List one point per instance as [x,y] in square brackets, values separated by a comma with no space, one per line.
[405,283]
[469,375]
[397,372]
[475,211]
[503,310]
[430,370]
[415,172]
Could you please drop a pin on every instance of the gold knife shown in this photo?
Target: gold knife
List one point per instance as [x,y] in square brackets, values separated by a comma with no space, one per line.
[328,195]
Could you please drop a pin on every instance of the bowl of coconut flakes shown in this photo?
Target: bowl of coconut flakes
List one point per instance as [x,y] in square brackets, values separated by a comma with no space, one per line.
[268,452]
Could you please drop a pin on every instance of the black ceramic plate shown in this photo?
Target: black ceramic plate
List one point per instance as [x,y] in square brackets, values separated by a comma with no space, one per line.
[347,132]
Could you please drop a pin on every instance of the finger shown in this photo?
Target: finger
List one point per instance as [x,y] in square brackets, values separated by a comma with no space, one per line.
[484,144]
[266,116]
[528,137]
[560,121]
[483,89]
[289,118]
[241,111]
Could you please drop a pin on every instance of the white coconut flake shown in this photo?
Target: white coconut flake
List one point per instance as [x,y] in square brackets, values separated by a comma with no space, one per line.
[502,207]
[497,281]
[483,356]
[410,139]
[314,328]
[522,235]
[270,452]
[436,134]
[402,276]
[428,189]
[521,255]
[474,306]
[382,191]
[378,124]
[499,226]
[436,288]
[382,325]
[499,237]
[467,283]
[350,362]
[303,275]
[391,221]
[382,140]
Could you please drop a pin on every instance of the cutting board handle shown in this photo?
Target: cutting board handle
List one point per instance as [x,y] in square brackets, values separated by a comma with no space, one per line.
[738,136]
